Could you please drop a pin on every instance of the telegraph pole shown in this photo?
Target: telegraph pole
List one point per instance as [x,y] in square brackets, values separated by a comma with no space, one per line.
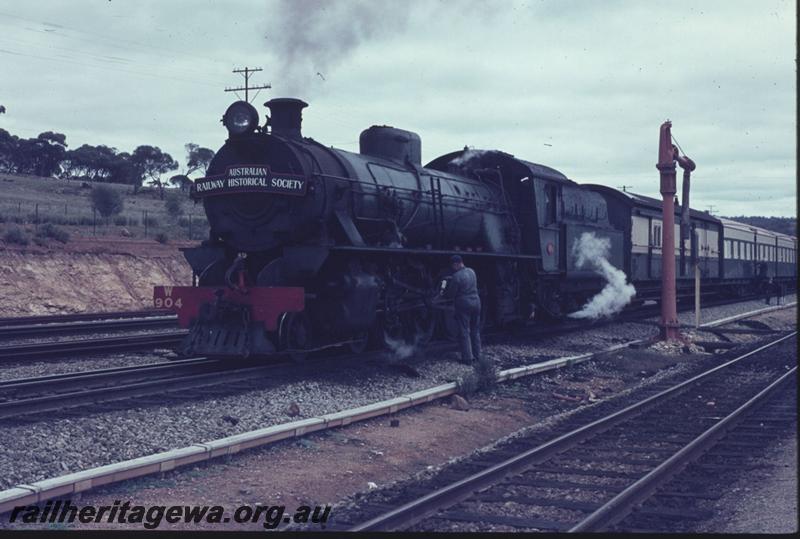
[246,72]
[624,188]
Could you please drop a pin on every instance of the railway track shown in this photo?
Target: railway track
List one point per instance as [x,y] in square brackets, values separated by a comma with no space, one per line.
[644,314]
[53,393]
[597,469]
[690,497]
[61,392]
[14,331]
[119,343]
[135,320]
[80,317]
[58,392]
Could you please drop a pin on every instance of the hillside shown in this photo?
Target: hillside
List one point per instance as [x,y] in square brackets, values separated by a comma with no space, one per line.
[27,202]
[88,275]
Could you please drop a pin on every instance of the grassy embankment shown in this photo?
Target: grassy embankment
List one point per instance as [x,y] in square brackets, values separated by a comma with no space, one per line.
[33,207]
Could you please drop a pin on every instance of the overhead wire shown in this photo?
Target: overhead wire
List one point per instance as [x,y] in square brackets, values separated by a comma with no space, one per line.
[92,36]
[108,67]
[107,60]
[96,60]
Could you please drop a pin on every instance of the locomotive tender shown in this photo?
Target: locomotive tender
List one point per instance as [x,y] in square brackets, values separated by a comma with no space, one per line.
[312,246]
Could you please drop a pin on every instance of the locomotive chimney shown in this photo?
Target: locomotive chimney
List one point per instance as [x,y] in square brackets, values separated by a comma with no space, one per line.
[286,115]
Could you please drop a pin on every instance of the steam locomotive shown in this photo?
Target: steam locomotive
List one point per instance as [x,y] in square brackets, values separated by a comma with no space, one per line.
[312,246]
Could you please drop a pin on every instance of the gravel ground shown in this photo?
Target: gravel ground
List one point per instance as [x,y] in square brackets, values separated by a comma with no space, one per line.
[518,351]
[82,363]
[60,445]
[766,503]
[715,313]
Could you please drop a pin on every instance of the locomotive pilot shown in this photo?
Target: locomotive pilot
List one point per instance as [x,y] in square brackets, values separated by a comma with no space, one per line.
[463,288]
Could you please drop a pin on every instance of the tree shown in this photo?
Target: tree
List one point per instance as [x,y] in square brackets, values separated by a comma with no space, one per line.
[107,200]
[23,156]
[182,181]
[782,225]
[197,158]
[8,144]
[48,152]
[93,162]
[174,205]
[41,155]
[150,163]
[122,169]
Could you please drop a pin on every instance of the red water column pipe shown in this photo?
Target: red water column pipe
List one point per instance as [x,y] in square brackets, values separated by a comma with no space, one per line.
[666,166]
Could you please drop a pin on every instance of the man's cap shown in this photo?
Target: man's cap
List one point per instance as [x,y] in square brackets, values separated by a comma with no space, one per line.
[456,259]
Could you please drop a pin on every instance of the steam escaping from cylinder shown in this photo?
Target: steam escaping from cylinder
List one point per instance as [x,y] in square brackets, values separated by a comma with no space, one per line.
[403,348]
[591,251]
[400,347]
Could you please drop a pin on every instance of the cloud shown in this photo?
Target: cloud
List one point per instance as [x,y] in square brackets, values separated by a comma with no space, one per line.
[592,80]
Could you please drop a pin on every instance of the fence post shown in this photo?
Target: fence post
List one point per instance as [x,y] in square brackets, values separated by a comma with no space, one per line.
[36,218]
[94,221]
[145,223]
[190,226]
[696,295]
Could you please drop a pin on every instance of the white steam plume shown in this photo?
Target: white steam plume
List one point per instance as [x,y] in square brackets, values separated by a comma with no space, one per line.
[593,251]
[401,348]
[466,157]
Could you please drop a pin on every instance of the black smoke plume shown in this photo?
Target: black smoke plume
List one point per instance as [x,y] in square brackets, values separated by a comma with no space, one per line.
[312,37]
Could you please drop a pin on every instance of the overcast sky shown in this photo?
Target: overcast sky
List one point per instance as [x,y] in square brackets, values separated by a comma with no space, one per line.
[581,86]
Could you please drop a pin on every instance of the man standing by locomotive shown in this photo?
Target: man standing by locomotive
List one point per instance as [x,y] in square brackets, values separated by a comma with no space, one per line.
[463,288]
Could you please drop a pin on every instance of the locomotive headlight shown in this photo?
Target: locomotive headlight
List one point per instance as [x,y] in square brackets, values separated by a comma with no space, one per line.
[240,118]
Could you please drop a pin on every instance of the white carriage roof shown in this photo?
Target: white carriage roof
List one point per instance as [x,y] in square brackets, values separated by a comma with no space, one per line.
[727,223]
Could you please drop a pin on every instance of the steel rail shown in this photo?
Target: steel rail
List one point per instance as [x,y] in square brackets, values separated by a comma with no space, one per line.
[621,504]
[202,373]
[415,510]
[77,317]
[23,330]
[76,389]
[737,317]
[53,382]
[102,344]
